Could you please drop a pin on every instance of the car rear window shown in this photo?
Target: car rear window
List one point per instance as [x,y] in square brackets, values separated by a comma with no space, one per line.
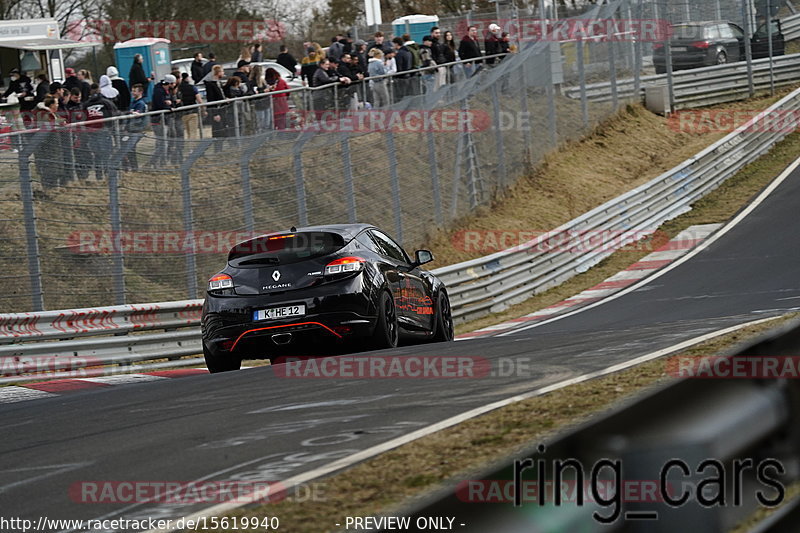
[691,31]
[284,249]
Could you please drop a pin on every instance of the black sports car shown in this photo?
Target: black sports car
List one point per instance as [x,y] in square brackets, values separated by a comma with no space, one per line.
[350,284]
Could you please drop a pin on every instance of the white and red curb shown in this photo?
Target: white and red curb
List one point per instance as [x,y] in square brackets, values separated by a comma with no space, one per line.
[45,389]
[675,248]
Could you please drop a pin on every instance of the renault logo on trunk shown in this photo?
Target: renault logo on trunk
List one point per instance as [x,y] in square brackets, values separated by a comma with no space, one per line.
[276,275]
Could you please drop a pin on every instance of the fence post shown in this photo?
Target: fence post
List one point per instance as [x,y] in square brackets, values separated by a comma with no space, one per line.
[117,255]
[582,81]
[748,51]
[552,123]
[526,131]
[200,121]
[349,188]
[188,216]
[236,119]
[299,178]
[502,177]
[247,189]
[31,235]
[612,70]
[398,215]
[434,168]
[637,54]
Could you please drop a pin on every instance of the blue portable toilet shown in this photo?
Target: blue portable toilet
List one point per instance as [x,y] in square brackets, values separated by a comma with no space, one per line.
[418,26]
[155,53]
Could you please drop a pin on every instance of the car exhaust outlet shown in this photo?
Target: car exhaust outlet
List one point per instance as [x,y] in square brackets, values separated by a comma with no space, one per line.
[282,338]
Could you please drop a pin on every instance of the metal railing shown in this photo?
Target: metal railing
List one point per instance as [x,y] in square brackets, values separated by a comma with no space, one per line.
[476,288]
[702,86]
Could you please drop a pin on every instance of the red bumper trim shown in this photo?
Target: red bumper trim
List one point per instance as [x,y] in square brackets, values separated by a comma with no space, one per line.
[282,326]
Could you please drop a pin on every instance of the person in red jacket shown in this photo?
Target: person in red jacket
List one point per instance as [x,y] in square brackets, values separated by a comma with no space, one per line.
[280,102]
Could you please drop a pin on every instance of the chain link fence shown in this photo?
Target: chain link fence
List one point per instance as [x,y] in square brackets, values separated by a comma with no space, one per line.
[144,208]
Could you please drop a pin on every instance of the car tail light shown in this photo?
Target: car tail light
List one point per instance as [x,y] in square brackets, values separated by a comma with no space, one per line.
[345,265]
[701,44]
[219,282]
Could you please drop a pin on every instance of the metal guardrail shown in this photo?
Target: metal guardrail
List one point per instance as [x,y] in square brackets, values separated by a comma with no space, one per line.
[790,26]
[704,86]
[476,288]
[692,420]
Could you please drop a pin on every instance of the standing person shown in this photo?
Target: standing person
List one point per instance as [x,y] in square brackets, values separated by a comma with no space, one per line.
[210,64]
[71,81]
[280,102]
[403,61]
[108,91]
[137,75]
[380,43]
[86,80]
[492,43]
[162,101]
[49,155]
[175,123]
[41,89]
[255,55]
[197,68]
[451,55]
[188,95]
[426,58]
[389,62]
[243,73]
[78,140]
[98,133]
[439,56]
[20,86]
[214,93]
[233,89]
[56,90]
[380,93]
[309,65]
[135,125]
[360,53]
[287,60]
[325,74]
[261,105]
[469,49]
[336,49]
[121,86]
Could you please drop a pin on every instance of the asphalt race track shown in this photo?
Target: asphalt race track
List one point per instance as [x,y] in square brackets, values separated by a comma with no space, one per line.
[255,425]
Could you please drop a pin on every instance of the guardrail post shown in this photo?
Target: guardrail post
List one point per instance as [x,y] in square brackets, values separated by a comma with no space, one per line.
[502,177]
[434,168]
[188,216]
[247,190]
[349,188]
[31,235]
[395,180]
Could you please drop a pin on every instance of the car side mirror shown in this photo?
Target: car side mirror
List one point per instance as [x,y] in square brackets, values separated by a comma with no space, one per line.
[422,257]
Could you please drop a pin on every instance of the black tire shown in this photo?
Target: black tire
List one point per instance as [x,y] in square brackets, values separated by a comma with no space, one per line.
[444,331]
[386,333]
[722,58]
[220,363]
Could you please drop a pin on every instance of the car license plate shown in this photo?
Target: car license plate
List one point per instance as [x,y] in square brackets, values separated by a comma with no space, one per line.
[679,49]
[275,313]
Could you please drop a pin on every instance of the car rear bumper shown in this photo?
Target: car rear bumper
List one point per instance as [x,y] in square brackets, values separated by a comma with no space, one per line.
[336,314]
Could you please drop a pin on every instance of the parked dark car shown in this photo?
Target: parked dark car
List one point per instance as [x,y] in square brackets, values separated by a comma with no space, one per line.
[702,44]
[348,285]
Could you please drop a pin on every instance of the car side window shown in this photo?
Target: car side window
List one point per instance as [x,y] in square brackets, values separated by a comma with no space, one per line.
[737,31]
[712,32]
[391,248]
[367,241]
[726,32]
